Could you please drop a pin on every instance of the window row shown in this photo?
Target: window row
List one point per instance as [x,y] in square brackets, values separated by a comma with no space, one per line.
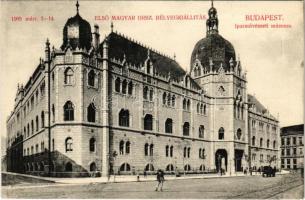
[34,149]
[238,112]
[148,93]
[294,141]
[125,167]
[69,144]
[294,151]
[92,77]
[123,86]
[34,99]
[261,142]
[69,112]
[186,104]
[30,128]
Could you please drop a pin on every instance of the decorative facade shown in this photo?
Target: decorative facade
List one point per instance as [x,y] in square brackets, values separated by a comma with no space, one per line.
[117,106]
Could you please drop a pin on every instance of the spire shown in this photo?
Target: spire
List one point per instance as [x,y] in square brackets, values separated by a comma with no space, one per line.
[77,6]
[212,21]
[111,26]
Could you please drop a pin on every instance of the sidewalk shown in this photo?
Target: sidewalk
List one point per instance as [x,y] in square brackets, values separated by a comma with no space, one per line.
[133,178]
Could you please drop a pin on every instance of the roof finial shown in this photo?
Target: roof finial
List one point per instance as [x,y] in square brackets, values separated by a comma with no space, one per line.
[111,26]
[212,3]
[77,5]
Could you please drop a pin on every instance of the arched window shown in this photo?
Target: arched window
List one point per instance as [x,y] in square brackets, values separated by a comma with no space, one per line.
[238,112]
[69,76]
[253,141]
[201,131]
[184,104]
[171,151]
[188,105]
[130,88]
[164,98]
[32,127]
[92,145]
[202,168]
[151,149]
[268,143]
[169,100]
[42,119]
[121,147]
[205,109]
[187,168]
[68,167]
[149,167]
[261,142]
[91,78]
[200,152]
[92,167]
[166,150]
[274,144]
[145,93]
[173,100]
[146,149]
[68,111]
[91,113]
[69,144]
[184,152]
[198,108]
[186,129]
[148,122]
[238,134]
[37,123]
[125,167]
[169,168]
[28,130]
[221,133]
[124,86]
[117,84]
[127,147]
[168,125]
[124,118]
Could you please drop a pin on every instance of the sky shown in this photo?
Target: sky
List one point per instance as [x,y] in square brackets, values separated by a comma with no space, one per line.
[273,57]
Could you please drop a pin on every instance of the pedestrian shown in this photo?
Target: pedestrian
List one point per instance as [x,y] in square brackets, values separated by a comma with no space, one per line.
[145,174]
[160,180]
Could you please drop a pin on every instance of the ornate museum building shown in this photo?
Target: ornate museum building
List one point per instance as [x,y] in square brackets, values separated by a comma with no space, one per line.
[117,106]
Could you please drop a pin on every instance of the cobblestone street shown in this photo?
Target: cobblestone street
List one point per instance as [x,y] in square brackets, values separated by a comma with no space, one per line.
[282,186]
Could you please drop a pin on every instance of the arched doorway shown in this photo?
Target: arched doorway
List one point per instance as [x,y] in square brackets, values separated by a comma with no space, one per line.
[221,159]
[92,167]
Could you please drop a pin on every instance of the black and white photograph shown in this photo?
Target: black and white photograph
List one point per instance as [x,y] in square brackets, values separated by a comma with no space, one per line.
[152,99]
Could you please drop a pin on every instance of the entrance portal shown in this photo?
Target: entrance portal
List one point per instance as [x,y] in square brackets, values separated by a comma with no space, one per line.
[221,159]
[238,160]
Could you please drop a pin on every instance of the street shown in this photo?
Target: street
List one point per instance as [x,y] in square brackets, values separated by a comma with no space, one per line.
[256,187]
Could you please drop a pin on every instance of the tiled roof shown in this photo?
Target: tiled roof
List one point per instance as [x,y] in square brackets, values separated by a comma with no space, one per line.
[293,130]
[258,105]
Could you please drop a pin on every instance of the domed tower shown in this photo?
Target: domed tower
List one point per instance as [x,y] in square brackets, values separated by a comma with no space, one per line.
[77,32]
[215,68]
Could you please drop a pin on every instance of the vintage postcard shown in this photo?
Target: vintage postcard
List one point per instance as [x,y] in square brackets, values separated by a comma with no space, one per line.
[152,99]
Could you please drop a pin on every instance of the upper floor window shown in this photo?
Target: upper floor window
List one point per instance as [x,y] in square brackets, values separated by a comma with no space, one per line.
[173,100]
[168,125]
[37,123]
[261,142]
[184,104]
[151,94]
[145,93]
[92,145]
[148,122]
[68,76]
[124,118]
[253,141]
[238,134]
[186,129]
[69,144]
[164,98]
[117,85]
[149,149]
[42,119]
[188,105]
[124,86]
[68,111]
[91,110]
[201,131]
[91,78]
[221,133]
[274,144]
[268,143]
[130,88]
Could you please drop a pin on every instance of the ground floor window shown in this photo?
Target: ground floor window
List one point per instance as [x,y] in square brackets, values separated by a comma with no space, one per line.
[170,167]
[202,168]
[125,167]
[149,167]
[187,168]
[68,167]
[92,167]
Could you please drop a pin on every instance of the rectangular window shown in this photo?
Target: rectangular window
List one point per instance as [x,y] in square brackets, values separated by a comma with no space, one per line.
[288,152]
[294,163]
[294,140]
[288,163]
[283,152]
[294,151]
[288,141]
[282,163]
[301,151]
[300,141]
[283,141]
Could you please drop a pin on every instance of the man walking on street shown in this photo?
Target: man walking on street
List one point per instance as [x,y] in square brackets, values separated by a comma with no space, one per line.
[160,180]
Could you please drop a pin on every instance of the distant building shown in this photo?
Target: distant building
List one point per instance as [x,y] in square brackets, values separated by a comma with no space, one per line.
[118,106]
[292,147]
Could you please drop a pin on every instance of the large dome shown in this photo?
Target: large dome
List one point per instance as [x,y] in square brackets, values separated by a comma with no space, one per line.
[77,32]
[214,47]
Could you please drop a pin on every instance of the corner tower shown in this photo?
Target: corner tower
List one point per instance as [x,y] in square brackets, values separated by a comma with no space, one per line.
[215,68]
